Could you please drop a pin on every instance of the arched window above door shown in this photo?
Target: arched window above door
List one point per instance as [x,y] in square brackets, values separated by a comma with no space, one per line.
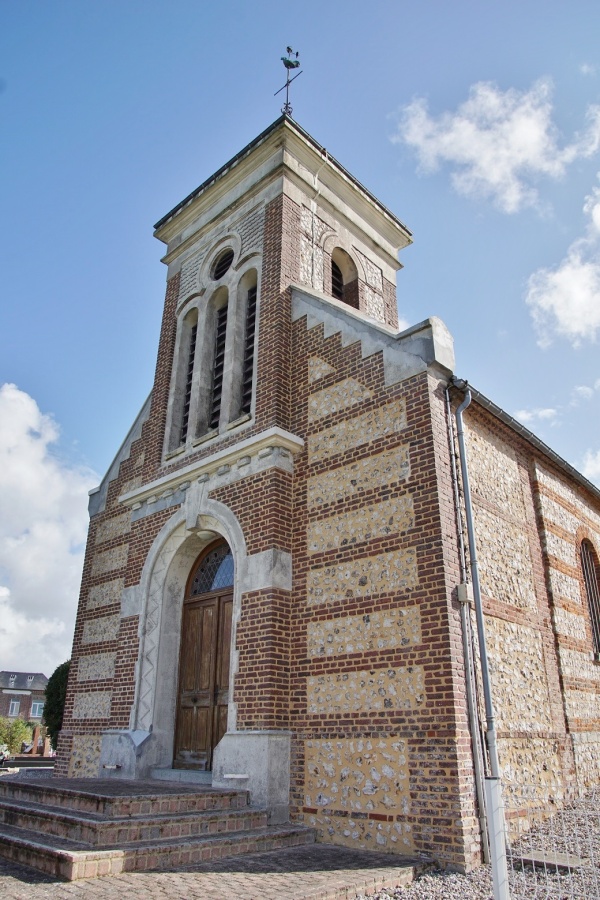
[214,572]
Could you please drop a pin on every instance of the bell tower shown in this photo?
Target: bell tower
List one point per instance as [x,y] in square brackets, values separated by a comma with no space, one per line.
[281,212]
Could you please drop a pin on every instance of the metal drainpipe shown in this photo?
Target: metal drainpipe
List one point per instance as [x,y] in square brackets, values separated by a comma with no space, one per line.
[494,807]
[465,621]
[485,670]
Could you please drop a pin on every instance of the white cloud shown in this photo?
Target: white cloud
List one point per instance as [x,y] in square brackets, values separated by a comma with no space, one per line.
[587,69]
[530,416]
[498,142]
[581,392]
[584,392]
[565,301]
[591,466]
[43,524]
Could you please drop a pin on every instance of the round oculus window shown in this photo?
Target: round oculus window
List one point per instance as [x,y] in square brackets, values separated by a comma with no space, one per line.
[222,264]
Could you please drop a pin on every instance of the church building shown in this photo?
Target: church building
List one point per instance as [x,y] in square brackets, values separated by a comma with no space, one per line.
[276,592]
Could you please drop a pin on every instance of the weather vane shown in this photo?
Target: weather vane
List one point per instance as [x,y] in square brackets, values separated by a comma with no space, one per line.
[290,62]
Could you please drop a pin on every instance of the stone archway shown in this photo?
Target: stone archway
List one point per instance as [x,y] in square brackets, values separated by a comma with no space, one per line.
[159,599]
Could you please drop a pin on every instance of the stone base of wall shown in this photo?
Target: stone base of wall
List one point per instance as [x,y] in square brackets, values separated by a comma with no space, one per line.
[84,761]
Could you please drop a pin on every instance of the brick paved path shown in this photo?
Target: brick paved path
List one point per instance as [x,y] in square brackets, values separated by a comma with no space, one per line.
[317,872]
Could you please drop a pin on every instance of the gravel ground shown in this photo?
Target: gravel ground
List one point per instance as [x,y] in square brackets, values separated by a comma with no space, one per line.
[574,831]
[441,886]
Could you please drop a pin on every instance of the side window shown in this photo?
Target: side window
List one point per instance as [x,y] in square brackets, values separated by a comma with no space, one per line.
[15,706]
[344,278]
[591,577]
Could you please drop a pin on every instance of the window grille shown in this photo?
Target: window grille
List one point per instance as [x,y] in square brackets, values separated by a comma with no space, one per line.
[337,281]
[591,578]
[218,367]
[185,421]
[248,370]
[15,706]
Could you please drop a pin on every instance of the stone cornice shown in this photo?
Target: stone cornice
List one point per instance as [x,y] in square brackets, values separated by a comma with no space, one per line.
[272,438]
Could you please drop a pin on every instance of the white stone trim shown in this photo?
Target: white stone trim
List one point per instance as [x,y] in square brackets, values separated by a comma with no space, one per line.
[274,437]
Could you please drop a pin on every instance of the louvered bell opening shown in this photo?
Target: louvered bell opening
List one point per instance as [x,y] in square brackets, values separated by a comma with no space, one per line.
[185,421]
[248,370]
[337,282]
[222,264]
[218,367]
[591,573]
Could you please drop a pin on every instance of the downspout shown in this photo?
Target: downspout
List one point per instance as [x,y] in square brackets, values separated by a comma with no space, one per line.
[493,794]
[485,671]
[465,621]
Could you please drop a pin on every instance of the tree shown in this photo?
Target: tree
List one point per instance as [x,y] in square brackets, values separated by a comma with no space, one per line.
[56,693]
[13,732]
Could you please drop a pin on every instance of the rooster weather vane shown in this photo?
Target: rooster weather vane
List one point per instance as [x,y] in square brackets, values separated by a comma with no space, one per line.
[290,62]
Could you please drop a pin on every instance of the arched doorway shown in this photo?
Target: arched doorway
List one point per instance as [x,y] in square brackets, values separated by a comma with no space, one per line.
[203,690]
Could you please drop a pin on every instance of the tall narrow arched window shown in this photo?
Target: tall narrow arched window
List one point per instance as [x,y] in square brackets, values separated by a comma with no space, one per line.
[212,381]
[218,370]
[182,398]
[187,397]
[591,578]
[344,278]
[248,366]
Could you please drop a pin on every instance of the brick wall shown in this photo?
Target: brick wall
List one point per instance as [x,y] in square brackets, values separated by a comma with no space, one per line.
[381,748]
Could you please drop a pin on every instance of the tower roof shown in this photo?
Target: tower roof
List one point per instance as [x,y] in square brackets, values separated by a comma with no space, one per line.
[285,133]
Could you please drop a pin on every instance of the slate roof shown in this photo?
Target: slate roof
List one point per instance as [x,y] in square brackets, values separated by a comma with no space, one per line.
[21,683]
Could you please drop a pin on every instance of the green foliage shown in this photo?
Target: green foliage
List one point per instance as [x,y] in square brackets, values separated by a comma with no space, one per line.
[13,732]
[56,692]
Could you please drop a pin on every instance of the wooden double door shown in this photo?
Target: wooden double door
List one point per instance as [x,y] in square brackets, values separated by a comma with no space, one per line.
[203,694]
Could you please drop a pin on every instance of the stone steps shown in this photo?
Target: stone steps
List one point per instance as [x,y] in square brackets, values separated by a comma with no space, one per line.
[97,830]
[76,828]
[112,798]
[72,860]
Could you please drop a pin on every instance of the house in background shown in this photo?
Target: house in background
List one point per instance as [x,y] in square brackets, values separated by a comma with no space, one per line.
[22,695]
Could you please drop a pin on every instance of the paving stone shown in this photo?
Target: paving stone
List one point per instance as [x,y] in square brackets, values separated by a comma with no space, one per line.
[304,873]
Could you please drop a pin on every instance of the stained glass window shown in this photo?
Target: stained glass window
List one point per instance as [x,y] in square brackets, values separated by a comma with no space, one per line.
[214,572]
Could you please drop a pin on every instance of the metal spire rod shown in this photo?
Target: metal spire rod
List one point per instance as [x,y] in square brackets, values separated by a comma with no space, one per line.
[290,62]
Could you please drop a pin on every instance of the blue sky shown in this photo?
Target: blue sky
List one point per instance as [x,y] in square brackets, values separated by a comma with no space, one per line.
[477,123]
